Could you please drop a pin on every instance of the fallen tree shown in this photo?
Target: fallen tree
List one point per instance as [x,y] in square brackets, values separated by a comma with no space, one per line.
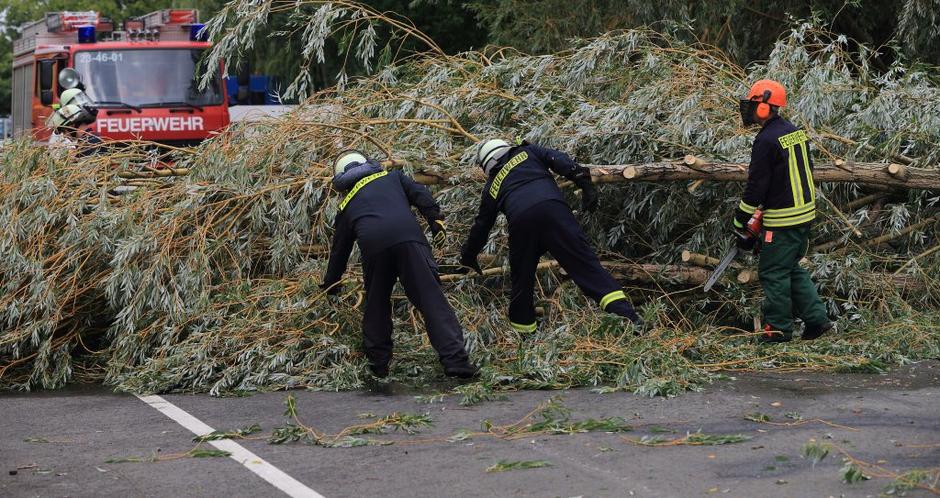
[208,280]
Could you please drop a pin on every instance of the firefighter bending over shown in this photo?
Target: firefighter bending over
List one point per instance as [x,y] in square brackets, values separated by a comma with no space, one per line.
[780,181]
[521,186]
[376,213]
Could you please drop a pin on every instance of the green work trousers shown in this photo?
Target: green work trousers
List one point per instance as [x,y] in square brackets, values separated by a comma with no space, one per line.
[788,290]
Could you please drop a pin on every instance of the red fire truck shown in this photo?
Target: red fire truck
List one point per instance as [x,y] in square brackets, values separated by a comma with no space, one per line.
[143,78]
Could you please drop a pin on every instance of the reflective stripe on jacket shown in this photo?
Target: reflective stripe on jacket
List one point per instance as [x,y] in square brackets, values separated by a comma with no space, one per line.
[780,178]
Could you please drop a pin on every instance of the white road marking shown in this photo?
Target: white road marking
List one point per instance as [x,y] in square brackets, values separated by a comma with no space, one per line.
[290,486]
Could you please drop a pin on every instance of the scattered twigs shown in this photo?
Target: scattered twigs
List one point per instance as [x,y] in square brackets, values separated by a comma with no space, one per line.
[764,419]
[840,214]
[856,469]
[863,201]
[832,136]
[924,254]
[197,452]
[550,417]
[888,237]
[691,439]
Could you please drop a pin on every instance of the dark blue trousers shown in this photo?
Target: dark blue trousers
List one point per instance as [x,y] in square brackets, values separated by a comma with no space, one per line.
[412,264]
[550,226]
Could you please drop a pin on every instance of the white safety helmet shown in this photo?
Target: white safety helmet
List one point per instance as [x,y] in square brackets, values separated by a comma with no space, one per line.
[75,109]
[489,153]
[74,96]
[346,158]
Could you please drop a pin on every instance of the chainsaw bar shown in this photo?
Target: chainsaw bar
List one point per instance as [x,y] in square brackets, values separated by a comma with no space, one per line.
[722,266]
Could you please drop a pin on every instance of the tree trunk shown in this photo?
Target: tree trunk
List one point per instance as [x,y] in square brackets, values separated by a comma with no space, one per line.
[866,173]
[693,168]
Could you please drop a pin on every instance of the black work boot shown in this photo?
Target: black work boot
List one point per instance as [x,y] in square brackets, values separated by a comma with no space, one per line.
[640,327]
[814,331]
[462,370]
[622,307]
[771,336]
[379,371]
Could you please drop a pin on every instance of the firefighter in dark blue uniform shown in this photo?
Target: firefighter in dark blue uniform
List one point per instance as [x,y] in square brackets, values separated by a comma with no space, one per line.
[376,213]
[780,182]
[521,186]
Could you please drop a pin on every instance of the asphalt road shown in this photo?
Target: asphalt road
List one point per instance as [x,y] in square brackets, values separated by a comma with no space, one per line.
[58,443]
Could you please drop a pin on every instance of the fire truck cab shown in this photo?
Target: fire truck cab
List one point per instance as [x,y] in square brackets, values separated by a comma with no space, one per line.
[143,79]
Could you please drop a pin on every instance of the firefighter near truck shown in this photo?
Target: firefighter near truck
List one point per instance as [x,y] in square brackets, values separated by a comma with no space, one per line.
[143,79]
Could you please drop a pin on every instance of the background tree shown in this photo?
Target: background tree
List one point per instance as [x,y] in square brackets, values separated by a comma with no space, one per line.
[745,29]
[277,51]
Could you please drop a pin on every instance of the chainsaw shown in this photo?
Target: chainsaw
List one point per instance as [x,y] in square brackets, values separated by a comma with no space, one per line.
[750,231]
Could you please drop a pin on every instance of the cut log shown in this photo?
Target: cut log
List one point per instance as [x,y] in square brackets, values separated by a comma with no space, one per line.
[747,277]
[898,171]
[695,163]
[694,186]
[696,259]
[840,163]
[498,270]
[667,274]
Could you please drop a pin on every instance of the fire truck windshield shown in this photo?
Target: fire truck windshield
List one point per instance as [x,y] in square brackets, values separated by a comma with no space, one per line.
[145,77]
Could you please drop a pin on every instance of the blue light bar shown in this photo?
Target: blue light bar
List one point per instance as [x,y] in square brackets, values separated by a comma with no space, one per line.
[86,34]
[197,32]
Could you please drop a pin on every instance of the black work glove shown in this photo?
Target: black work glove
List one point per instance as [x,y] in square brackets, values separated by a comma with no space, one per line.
[439,232]
[589,199]
[332,289]
[745,243]
[468,263]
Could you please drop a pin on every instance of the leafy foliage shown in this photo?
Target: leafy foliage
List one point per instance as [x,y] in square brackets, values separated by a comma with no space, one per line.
[757,417]
[692,439]
[911,480]
[236,434]
[851,473]
[507,465]
[744,30]
[816,452]
[197,452]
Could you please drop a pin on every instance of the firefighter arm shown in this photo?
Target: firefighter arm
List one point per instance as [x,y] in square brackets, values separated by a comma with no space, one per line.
[341,247]
[557,161]
[420,197]
[758,183]
[480,231]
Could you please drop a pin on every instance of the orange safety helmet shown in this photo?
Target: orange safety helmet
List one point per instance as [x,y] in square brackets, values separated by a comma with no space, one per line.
[762,95]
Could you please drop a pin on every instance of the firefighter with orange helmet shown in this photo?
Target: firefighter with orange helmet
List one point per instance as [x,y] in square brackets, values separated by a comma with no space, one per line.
[780,182]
